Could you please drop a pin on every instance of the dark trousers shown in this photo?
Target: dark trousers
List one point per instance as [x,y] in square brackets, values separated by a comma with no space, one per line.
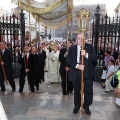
[42,74]
[63,84]
[31,83]
[88,93]
[77,100]
[33,77]
[70,85]
[22,81]
[9,75]
[31,80]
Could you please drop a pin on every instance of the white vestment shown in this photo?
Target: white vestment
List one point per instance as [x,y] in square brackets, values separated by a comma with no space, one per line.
[46,60]
[53,66]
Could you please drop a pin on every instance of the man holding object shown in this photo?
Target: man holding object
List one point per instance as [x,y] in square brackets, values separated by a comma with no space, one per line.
[74,60]
[7,60]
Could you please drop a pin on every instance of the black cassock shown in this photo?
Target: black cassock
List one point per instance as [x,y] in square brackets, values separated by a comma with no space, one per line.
[34,69]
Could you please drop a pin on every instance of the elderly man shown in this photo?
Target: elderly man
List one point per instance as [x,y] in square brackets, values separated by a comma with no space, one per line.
[74,60]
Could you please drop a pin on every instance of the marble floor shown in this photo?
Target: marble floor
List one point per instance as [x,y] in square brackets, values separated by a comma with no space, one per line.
[49,104]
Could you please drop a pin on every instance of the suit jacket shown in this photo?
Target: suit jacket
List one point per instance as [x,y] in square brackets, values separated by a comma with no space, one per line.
[22,62]
[74,73]
[33,63]
[8,60]
[63,63]
[42,56]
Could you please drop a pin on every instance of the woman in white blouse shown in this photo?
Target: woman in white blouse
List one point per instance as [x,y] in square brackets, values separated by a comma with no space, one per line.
[110,73]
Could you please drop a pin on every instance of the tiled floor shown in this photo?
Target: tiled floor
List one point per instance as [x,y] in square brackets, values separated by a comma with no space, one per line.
[49,104]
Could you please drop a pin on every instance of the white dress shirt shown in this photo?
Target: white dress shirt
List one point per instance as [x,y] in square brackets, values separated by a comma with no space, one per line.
[78,55]
[2,51]
[26,54]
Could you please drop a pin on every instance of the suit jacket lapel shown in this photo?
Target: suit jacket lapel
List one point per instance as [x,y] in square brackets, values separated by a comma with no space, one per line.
[4,52]
[85,47]
[75,52]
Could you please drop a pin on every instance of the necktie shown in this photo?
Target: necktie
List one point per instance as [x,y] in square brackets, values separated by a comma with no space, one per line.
[26,57]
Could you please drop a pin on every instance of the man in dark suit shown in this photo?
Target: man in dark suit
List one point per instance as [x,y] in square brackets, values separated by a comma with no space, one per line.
[64,69]
[7,61]
[76,67]
[34,66]
[24,65]
[42,55]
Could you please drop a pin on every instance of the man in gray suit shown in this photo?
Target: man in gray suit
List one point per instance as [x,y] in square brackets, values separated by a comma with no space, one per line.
[73,59]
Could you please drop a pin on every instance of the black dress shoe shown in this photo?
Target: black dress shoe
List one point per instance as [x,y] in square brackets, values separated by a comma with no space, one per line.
[68,92]
[107,91]
[75,111]
[13,90]
[64,93]
[20,91]
[43,80]
[3,90]
[37,88]
[32,91]
[87,111]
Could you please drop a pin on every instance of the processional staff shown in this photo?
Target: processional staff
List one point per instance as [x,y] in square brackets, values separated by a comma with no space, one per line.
[83,17]
[67,36]
[69,18]
[5,78]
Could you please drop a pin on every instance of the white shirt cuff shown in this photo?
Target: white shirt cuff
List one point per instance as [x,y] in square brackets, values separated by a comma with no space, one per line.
[64,55]
[86,55]
[76,66]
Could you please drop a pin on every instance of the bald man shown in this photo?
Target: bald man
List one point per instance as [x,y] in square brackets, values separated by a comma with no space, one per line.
[74,60]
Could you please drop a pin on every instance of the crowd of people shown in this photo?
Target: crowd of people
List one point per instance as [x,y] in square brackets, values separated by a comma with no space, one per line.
[62,62]
[110,79]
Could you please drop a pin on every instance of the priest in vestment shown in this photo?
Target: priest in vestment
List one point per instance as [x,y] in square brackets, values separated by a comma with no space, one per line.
[53,66]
